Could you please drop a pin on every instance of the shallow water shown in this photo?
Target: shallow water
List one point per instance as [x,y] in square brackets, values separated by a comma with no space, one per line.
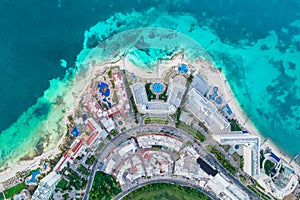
[255,43]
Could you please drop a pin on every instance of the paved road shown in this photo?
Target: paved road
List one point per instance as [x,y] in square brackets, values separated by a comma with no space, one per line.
[107,148]
[172,180]
[164,129]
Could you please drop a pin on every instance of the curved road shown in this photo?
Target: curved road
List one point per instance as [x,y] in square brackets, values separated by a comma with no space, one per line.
[167,180]
[170,130]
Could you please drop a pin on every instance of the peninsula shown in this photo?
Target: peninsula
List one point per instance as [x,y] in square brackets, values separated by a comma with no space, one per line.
[179,124]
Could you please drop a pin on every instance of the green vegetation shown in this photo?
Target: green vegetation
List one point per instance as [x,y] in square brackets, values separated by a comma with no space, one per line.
[150,95]
[202,125]
[189,79]
[66,196]
[178,113]
[108,137]
[123,129]
[163,96]
[90,160]
[157,120]
[74,180]
[243,179]
[104,187]
[262,158]
[258,185]
[110,73]
[115,97]
[35,170]
[1,196]
[114,132]
[268,166]
[134,109]
[83,170]
[258,192]
[191,130]
[221,158]
[241,163]
[166,191]
[101,145]
[235,126]
[62,184]
[157,148]
[9,193]
[113,83]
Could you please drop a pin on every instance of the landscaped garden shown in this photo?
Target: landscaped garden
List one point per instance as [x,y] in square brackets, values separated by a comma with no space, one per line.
[9,193]
[150,95]
[223,161]
[191,130]
[156,120]
[74,180]
[268,166]
[166,191]
[104,187]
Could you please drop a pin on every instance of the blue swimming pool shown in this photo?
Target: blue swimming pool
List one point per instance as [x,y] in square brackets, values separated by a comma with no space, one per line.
[183,68]
[33,177]
[157,87]
[104,89]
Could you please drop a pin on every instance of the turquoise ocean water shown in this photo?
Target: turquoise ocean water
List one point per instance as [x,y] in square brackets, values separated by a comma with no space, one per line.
[256,44]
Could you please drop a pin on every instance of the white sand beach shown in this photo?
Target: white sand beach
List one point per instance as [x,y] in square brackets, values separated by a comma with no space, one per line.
[216,78]
[212,75]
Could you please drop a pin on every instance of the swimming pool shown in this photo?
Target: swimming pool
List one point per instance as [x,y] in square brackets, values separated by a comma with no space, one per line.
[33,177]
[157,87]
[183,68]
[104,89]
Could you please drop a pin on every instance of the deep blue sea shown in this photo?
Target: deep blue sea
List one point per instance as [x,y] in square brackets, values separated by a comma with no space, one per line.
[256,43]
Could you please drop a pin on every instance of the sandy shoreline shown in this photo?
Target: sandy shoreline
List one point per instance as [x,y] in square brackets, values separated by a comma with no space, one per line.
[27,164]
[212,75]
[217,78]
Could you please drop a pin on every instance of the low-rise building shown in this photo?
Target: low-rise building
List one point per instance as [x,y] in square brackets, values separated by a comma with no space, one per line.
[224,189]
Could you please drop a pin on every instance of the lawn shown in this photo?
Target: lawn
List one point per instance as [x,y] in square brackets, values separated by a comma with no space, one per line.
[235,126]
[74,180]
[258,192]
[150,95]
[115,98]
[83,170]
[163,96]
[268,166]
[9,193]
[104,187]
[156,120]
[62,184]
[191,130]
[165,191]
[90,160]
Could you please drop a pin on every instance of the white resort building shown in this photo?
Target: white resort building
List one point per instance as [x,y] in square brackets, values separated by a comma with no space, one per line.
[175,94]
[251,149]
[206,112]
[46,186]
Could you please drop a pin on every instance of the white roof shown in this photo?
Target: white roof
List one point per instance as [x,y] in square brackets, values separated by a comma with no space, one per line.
[126,149]
[51,178]
[248,160]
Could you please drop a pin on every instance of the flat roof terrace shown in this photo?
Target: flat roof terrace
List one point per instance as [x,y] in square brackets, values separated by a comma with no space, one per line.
[205,111]
[175,94]
[250,141]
